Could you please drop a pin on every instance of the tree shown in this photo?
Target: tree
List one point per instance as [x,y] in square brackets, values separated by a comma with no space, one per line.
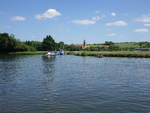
[60,45]
[108,43]
[72,47]
[49,43]
[36,44]
[7,42]
[20,46]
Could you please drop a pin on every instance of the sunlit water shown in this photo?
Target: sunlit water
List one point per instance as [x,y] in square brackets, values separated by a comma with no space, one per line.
[73,84]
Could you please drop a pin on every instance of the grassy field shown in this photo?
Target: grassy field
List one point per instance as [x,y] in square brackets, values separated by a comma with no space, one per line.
[28,53]
[138,54]
[121,45]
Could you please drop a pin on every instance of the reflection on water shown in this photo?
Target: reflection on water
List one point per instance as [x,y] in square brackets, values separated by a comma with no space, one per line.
[49,68]
[48,65]
[71,84]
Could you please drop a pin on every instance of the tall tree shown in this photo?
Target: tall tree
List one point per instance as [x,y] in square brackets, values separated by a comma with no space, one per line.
[7,42]
[60,45]
[49,43]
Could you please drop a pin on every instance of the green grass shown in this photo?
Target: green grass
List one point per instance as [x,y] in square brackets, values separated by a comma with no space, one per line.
[127,45]
[138,54]
[120,45]
[28,53]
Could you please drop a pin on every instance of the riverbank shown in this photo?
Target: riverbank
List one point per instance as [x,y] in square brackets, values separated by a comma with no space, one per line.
[136,54]
[28,53]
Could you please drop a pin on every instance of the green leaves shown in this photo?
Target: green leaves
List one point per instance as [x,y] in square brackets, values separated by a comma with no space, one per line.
[49,43]
[8,43]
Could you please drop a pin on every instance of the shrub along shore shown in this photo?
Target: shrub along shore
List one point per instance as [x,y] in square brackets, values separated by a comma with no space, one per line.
[28,53]
[136,54]
[10,45]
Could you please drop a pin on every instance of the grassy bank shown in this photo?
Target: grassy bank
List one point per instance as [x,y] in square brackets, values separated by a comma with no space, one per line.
[28,53]
[138,54]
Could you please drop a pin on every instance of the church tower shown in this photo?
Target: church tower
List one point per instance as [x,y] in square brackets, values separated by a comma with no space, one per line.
[84,44]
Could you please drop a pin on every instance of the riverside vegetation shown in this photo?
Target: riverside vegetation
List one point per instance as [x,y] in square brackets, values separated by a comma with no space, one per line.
[10,45]
[138,54]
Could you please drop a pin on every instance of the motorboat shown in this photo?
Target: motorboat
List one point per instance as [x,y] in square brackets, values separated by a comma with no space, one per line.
[61,52]
[54,53]
[50,53]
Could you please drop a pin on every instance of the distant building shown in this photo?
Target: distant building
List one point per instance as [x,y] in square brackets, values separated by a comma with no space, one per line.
[84,44]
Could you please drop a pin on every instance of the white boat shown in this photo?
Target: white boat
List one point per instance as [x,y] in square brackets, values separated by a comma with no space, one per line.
[54,53]
[49,54]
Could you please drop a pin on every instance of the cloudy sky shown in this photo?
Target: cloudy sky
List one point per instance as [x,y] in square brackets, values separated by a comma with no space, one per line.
[72,21]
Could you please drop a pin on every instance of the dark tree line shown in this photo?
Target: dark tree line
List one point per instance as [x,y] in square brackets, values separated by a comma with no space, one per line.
[48,43]
[8,43]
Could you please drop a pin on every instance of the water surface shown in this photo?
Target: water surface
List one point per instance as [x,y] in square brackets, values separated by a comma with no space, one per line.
[73,84]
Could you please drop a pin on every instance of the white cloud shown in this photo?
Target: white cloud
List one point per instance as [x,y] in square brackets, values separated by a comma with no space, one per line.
[18,18]
[50,13]
[83,22]
[93,20]
[96,18]
[111,34]
[147,25]
[144,18]
[141,30]
[113,14]
[117,23]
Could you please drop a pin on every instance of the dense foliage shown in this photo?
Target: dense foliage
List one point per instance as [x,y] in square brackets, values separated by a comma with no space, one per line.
[49,43]
[8,43]
[72,47]
[36,44]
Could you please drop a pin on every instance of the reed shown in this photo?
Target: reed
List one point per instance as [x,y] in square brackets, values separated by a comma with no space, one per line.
[138,54]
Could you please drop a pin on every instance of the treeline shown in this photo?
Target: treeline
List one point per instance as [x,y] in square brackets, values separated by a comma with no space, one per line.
[111,46]
[8,43]
[124,46]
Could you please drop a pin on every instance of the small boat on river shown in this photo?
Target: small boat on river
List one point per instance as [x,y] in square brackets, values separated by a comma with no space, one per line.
[54,53]
[50,53]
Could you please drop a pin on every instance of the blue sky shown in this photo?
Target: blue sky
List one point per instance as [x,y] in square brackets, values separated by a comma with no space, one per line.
[72,21]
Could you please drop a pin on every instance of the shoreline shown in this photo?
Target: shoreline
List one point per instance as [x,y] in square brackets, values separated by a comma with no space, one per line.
[28,53]
[128,54]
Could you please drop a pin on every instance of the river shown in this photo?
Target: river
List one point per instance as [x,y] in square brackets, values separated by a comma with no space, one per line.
[74,84]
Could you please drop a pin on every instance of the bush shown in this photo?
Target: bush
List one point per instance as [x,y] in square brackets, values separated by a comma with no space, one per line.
[20,46]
